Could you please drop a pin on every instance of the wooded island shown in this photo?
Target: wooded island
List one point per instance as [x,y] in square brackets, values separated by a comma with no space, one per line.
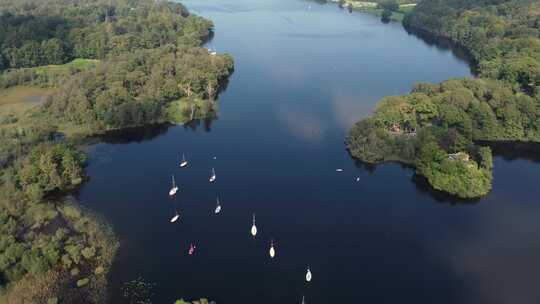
[437,126]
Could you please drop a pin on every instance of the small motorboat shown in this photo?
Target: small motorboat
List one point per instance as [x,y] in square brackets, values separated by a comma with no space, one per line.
[253,228]
[339,170]
[358,179]
[213,176]
[191,249]
[184,162]
[174,188]
[218,207]
[175,218]
[308,275]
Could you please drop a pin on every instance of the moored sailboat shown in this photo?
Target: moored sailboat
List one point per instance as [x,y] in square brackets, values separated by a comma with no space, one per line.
[174,188]
[253,227]
[272,251]
[218,206]
[183,162]
[308,275]
[213,176]
[175,217]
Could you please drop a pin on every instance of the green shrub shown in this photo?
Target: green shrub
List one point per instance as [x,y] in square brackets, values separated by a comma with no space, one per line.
[83,282]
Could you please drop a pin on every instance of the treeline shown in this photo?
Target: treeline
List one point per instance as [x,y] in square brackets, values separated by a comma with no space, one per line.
[35,33]
[502,37]
[139,88]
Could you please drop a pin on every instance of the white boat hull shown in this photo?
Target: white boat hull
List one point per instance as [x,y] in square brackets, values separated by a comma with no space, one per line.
[173,191]
[175,218]
[308,276]
[253,230]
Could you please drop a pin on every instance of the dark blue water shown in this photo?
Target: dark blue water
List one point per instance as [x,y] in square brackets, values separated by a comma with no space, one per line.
[303,77]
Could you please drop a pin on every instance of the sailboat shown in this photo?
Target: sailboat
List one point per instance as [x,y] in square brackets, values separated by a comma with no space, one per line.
[308,275]
[218,206]
[213,176]
[191,249]
[174,188]
[253,228]
[183,163]
[272,250]
[175,217]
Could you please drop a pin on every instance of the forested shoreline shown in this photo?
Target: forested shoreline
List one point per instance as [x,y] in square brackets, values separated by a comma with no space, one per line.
[437,128]
[111,65]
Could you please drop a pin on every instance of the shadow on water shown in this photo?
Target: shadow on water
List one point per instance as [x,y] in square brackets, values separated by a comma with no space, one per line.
[510,151]
[147,133]
[205,124]
[137,134]
[423,187]
[443,44]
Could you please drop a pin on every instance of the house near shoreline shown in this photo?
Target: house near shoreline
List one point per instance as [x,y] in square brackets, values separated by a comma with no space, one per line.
[460,156]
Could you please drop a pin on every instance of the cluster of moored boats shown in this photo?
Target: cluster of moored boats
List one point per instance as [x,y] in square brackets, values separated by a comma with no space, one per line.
[174,190]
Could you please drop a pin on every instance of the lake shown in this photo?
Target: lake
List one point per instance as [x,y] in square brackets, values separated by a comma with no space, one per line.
[305,72]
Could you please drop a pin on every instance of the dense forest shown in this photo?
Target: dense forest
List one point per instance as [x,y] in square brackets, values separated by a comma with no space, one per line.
[436,128]
[111,64]
[34,33]
[501,36]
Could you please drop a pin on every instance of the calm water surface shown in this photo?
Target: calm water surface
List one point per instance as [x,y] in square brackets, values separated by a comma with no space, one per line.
[303,77]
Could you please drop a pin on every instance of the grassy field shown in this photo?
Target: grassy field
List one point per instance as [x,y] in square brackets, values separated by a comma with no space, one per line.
[77,64]
[372,8]
[16,101]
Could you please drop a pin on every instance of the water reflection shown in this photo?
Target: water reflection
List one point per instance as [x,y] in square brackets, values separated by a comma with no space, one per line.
[347,109]
[441,44]
[150,132]
[302,124]
[423,187]
[515,150]
[498,260]
[205,124]
[137,134]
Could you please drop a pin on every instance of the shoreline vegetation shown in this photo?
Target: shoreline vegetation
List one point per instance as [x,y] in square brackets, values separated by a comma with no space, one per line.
[70,72]
[440,129]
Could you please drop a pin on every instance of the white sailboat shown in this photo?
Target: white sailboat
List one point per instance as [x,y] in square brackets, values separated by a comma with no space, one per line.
[308,275]
[272,251]
[174,188]
[253,228]
[184,162]
[213,176]
[175,218]
[218,206]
